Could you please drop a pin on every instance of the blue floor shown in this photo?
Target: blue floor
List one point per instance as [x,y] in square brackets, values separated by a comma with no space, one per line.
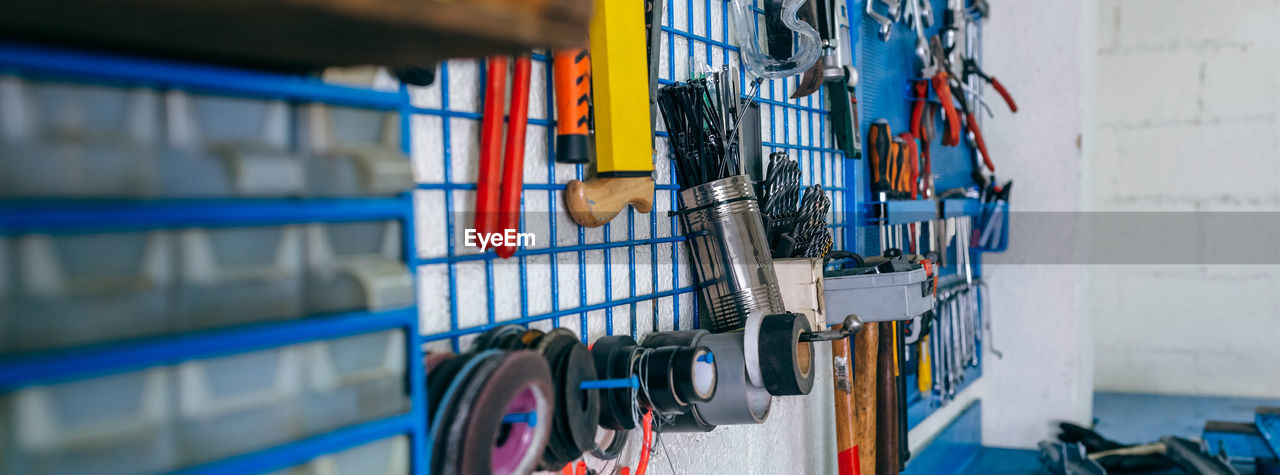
[995,461]
[1140,418]
[1130,418]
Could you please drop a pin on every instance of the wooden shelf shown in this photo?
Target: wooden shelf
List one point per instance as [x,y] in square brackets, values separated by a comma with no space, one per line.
[304,34]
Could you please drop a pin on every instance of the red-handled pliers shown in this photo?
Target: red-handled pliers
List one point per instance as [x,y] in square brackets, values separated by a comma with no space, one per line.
[972,123]
[511,169]
[942,86]
[971,67]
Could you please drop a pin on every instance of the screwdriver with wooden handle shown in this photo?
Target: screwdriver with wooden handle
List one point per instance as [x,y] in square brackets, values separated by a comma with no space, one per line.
[623,134]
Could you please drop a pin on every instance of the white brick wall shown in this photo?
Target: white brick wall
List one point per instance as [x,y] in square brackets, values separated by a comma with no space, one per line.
[1187,110]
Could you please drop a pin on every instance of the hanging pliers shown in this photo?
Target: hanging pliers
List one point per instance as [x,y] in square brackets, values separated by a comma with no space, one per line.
[971,68]
[971,122]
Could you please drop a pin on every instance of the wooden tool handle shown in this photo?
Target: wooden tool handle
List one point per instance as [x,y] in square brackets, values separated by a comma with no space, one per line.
[886,404]
[594,202]
[865,356]
[846,425]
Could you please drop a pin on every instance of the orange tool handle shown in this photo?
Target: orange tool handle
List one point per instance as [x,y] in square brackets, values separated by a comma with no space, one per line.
[951,137]
[1008,98]
[919,92]
[491,146]
[979,142]
[572,81]
[513,159]
[912,156]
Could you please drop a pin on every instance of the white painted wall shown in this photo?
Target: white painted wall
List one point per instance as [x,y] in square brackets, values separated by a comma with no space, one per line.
[1038,50]
[1188,102]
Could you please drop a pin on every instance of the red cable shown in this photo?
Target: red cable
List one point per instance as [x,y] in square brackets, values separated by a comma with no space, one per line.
[643,466]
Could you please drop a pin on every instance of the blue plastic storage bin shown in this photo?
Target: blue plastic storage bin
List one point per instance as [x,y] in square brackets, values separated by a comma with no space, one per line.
[74,140]
[88,288]
[121,424]
[239,275]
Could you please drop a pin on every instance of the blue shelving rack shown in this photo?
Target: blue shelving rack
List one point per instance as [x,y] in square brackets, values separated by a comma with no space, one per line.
[83,216]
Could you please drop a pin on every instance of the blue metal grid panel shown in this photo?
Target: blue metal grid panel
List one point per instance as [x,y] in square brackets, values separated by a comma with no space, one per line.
[884,91]
[629,276]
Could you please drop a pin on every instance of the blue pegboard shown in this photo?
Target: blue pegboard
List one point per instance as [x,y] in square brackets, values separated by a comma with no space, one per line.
[629,276]
[887,70]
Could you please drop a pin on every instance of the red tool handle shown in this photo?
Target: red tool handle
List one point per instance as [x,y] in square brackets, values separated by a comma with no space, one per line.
[913,162]
[927,128]
[513,159]
[979,142]
[919,92]
[490,146]
[951,136]
[1008,98]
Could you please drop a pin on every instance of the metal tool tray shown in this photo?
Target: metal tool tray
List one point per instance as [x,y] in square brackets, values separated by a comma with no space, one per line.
[877,297]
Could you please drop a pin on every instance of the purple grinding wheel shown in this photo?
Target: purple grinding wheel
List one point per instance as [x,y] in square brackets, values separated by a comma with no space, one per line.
[511,450]
[520,384]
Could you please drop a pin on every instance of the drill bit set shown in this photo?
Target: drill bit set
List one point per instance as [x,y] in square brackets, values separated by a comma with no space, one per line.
[795,229]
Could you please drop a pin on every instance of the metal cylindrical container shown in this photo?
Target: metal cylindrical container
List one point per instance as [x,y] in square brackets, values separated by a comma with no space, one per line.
[732,260]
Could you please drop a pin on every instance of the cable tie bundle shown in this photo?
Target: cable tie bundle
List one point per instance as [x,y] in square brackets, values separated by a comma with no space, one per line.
[702,117]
